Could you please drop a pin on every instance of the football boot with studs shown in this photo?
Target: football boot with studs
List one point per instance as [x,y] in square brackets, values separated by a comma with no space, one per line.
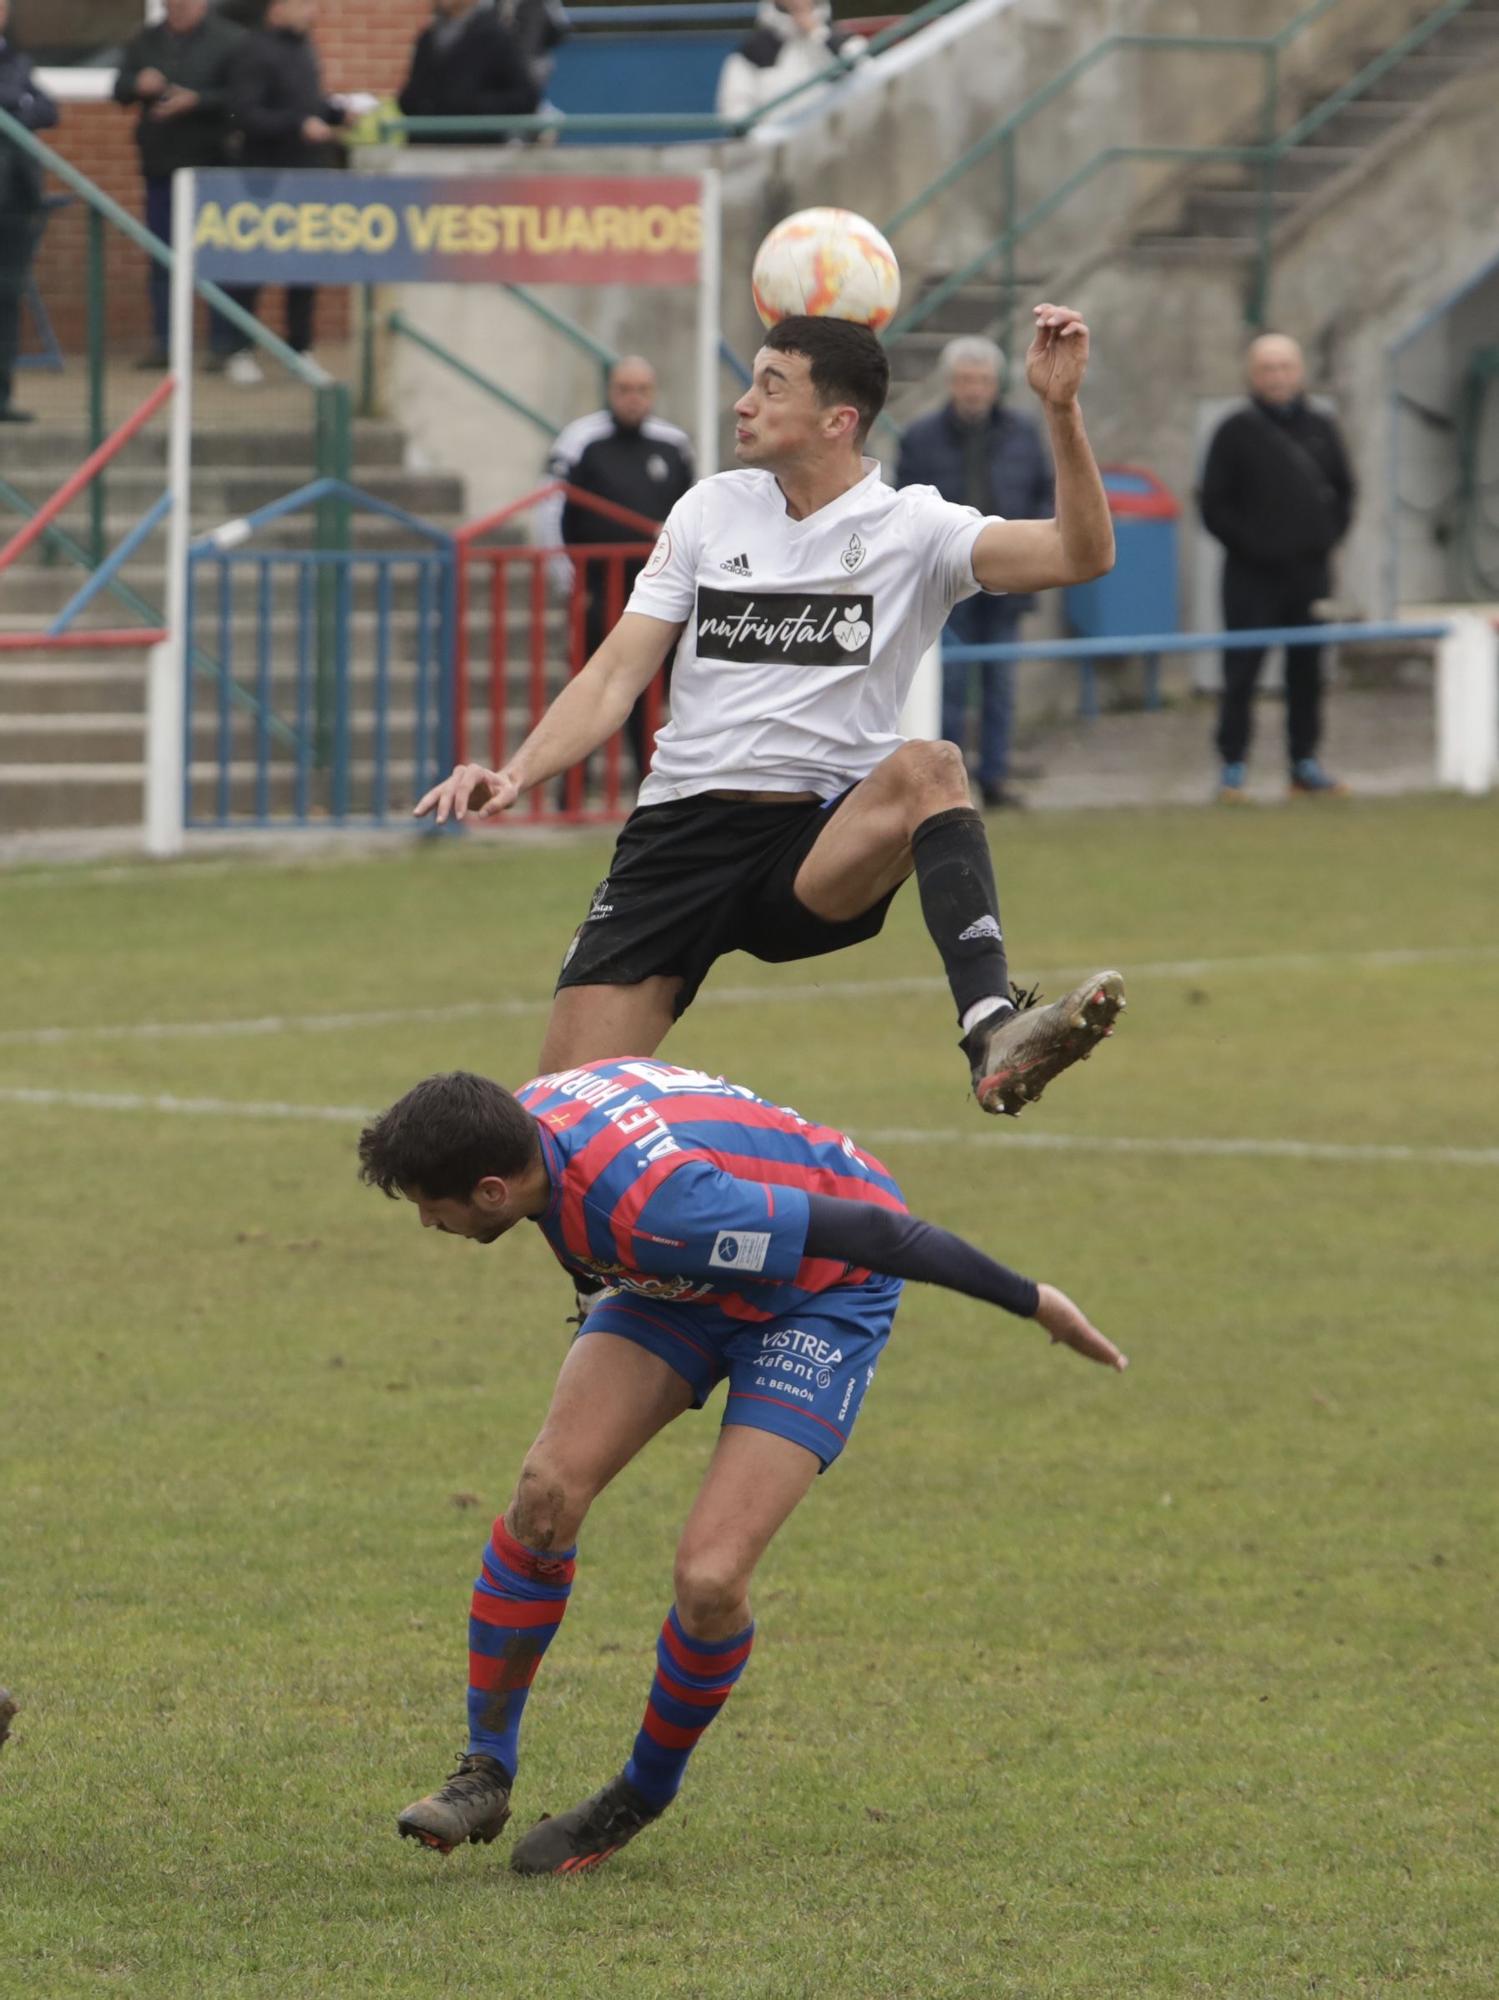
[1016,1051]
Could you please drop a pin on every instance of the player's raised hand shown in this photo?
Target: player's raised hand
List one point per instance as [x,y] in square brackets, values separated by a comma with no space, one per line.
[1068,1324]
[1058,356]
[471,788]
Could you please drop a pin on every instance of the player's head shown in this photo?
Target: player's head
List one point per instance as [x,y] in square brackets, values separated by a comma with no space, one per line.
[818,385]
[632,391]
[973,370]
[1274,368]
[463,1150]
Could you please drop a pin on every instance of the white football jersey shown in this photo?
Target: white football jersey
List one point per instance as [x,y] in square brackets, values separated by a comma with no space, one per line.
[800,638]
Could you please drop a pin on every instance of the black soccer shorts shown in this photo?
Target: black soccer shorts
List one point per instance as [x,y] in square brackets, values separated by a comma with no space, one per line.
[696,878]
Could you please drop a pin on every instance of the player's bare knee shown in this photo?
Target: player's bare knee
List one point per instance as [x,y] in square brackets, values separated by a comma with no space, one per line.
[711,1589]
[931,776]
[549,1503]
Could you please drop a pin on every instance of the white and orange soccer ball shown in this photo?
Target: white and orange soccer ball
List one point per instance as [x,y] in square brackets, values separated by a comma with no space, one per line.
[828,262]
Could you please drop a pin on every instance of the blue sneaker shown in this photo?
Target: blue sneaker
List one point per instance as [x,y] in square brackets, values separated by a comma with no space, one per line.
[1309,778]
[1232,780]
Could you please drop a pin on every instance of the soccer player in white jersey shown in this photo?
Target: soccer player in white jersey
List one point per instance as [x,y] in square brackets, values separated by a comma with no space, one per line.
[783,808]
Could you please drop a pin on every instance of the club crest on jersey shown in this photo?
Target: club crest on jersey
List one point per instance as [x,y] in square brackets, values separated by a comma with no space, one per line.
[802,628]
[853,555]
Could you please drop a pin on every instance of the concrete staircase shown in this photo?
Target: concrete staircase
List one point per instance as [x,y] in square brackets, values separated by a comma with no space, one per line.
[72,723]
[1212,211]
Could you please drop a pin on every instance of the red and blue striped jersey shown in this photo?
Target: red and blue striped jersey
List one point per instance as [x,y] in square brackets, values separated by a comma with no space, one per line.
[679,1185]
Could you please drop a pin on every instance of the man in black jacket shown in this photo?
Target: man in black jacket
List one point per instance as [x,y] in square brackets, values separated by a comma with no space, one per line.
[277,102]
[466,65]
[1278,493]
[627,455]
[20,203]
[177,71]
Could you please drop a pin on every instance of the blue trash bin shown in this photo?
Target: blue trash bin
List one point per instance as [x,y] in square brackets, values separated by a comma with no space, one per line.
[1139,594]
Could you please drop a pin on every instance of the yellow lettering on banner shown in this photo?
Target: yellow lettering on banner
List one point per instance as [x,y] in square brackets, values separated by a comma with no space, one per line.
[314,233]
[690,228]
[380,227]
[578,230]
[421,226]
[243,226]
[658,229]
[278,226]
[210,229]
[483,230]
[346,222]
[512,225]
[541,231]
[609,222]
[452,231]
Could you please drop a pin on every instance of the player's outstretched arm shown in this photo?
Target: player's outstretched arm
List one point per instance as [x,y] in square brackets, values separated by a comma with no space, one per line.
[903,1246]
[1078,543]
[589,709]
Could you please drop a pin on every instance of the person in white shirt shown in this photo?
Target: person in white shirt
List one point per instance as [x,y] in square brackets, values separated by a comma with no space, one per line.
[783,809]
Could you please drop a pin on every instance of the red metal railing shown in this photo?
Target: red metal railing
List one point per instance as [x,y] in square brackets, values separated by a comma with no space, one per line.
[79,642]
[76,480]
[518,574]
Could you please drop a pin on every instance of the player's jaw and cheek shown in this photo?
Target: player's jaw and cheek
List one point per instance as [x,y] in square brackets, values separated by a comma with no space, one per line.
[778,418]
[485,1216]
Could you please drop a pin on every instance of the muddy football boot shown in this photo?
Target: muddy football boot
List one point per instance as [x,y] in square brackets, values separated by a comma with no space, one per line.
[474,1804]
[1015,1053]
[586,1835]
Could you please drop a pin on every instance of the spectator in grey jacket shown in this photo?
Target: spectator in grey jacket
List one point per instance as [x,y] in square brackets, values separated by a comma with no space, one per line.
[20,202]
[978,452]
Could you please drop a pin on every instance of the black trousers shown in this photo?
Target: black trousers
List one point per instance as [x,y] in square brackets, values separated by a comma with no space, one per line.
[1254,597]
[301,311]
[18,234]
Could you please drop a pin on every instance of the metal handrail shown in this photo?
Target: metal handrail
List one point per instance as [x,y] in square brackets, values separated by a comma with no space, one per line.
[1266,155]
[617,124]
[398,323]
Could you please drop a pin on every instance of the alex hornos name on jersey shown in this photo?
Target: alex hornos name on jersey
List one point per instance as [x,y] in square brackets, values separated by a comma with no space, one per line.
[804,628]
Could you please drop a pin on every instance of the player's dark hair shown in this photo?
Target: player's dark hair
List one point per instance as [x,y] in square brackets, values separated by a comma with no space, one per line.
[848,363]
[445,1136]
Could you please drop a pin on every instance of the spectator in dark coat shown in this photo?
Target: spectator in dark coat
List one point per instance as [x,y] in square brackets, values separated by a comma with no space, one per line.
[467,64]
[792,42]
[177,71]
[1278,493]
[278,104]
[980,453]
[628,455]
[20,203]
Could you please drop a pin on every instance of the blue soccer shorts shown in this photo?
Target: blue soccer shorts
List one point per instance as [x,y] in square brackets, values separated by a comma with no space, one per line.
[803,1376]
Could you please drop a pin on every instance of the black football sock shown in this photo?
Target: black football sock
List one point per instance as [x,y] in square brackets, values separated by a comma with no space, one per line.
[955,878]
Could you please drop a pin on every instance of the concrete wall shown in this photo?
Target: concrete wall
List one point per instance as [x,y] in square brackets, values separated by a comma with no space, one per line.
[875,144]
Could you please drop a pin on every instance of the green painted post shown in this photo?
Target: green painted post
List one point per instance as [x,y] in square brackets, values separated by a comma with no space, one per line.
[368,308]
[1007,268]
[96,397]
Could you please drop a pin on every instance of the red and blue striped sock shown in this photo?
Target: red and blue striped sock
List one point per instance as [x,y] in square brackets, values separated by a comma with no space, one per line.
[694,1678]
[519,1598]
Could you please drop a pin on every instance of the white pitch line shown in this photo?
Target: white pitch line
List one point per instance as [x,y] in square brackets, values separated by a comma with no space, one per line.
[914,1135]
[779,993]
[191,1107]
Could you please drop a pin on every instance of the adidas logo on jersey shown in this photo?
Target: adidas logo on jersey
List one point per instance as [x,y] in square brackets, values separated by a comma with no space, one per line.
[986,927]
[737,566]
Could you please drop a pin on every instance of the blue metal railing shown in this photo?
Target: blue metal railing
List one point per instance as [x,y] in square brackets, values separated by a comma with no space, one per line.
[1149,646]
[312,751]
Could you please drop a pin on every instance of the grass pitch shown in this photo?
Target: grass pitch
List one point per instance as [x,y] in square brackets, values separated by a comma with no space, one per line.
[1068,1685]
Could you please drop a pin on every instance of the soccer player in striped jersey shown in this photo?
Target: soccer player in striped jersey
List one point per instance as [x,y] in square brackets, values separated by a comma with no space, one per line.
[742,1244]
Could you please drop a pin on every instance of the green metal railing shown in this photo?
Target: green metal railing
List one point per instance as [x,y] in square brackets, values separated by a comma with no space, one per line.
[398,323]
[1002,140]
[333,404]
[678,124]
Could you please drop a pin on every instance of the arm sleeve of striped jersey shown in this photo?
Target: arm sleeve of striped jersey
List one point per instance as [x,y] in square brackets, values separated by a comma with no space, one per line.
[903,1246]
[700,1222]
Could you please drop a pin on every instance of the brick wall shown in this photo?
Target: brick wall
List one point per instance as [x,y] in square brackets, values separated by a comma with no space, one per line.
[365,45]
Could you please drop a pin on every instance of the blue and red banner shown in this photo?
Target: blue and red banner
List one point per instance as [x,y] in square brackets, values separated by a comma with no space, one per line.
[311,228]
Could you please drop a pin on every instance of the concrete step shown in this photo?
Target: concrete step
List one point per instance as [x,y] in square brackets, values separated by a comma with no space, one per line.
[1360,123]
[376,444]
[1233,211]
[1161,247]
[1419,75]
